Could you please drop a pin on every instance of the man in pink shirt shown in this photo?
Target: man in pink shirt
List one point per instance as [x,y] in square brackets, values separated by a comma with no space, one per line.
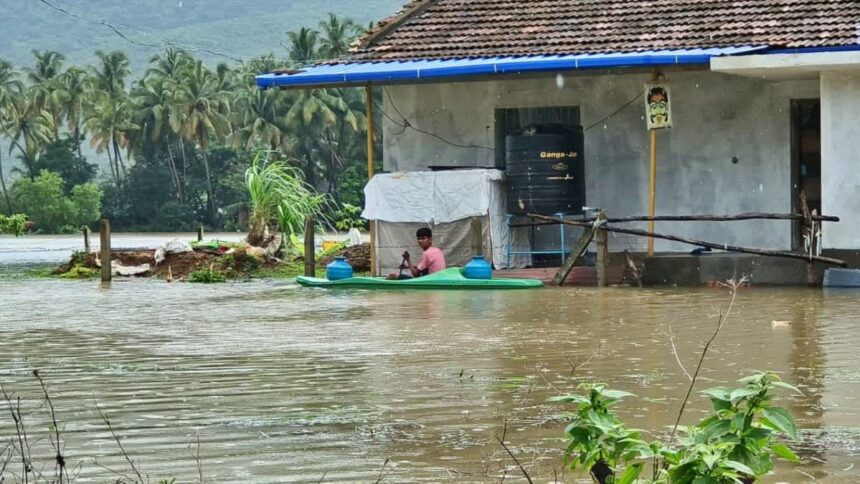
[432,259]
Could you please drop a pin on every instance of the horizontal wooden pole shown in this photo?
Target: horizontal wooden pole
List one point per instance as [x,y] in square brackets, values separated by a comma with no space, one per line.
[699,243]
[719,218]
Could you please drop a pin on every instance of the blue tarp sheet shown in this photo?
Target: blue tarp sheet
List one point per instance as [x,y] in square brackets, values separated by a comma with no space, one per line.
[391,72]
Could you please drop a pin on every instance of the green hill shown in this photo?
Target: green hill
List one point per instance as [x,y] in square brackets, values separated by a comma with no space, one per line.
[238,28]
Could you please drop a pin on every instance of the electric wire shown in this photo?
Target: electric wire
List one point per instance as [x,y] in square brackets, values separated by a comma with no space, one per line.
[164,43]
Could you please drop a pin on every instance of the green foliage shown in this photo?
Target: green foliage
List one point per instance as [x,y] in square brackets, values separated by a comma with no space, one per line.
[44,200]
[13,224]
[207,276]
[349,216]
[239,264]
[81,272]
[277,192]
[737,443]
[174,140]
[596,438]
[60,157]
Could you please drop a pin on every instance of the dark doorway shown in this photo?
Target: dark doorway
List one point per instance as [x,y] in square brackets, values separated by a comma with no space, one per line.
[806,160]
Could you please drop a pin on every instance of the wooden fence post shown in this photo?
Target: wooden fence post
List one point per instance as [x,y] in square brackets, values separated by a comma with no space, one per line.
[310,269]
[477,237]
[104,237]
[86,231]
[602,240]
[200,234]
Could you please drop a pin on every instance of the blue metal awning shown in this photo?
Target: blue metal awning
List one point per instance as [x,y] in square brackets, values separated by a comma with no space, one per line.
[391,72]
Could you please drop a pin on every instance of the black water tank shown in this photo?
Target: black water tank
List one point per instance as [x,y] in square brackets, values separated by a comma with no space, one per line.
[546,172]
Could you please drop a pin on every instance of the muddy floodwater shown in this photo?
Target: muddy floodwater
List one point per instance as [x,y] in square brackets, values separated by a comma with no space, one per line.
[279,383]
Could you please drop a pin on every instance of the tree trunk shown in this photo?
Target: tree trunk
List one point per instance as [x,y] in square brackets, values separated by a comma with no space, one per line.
[171,165]
[118,158]
[78,139]
[310,176]
[112,168]
[209,191]
[3,185]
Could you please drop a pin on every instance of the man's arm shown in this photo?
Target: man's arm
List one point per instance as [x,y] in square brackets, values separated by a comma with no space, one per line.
[412,268]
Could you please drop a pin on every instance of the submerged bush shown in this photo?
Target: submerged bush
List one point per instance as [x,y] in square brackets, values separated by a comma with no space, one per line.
[207,276]
[736,444]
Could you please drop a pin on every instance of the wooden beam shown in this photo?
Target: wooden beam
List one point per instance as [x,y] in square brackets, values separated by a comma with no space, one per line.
[652,189]
[104,241]
[310,247]
[368,101]
[578,249]
[699,243]
[602,240]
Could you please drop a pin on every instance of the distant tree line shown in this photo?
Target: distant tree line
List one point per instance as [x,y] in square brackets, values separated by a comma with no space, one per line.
[177,139]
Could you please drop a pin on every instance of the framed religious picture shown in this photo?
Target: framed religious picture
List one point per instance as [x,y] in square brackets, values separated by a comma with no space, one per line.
[658,111]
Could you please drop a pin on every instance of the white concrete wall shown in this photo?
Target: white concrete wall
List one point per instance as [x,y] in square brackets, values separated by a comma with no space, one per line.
[717,117]
[840,158]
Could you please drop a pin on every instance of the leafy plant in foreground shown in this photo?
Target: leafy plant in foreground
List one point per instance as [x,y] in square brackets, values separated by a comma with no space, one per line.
[597,440]
[738,443]
[735,445]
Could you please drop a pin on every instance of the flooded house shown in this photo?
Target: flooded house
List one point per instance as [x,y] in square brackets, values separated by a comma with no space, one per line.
[495,110]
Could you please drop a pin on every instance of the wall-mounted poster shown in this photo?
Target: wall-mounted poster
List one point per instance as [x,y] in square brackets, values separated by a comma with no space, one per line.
[658,112]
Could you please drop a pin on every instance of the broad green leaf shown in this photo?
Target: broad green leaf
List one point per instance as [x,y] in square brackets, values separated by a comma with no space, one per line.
[779,419]
[782,384]
[572,398]
[739,467]
[741,393]
[617,394]
[716,429]
[753,378]
[630,474]
[705,480]
[720,393]
[784,452]
[721,405]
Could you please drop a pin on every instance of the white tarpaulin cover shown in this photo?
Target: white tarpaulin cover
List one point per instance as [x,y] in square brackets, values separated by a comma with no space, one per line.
[434,198]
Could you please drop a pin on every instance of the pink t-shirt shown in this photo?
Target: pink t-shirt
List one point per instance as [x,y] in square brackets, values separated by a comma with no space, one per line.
[433,260]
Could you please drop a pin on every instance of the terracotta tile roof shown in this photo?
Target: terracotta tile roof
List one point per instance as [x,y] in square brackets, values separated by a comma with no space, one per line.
[466,28]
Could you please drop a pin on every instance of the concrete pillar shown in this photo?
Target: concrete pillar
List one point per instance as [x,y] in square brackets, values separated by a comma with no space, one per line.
[840,158]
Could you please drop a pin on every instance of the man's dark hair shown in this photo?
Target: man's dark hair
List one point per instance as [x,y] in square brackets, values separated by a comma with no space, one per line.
[424,232]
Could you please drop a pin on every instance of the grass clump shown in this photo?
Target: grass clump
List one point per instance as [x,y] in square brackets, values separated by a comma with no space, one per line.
[80,272]
[207,276]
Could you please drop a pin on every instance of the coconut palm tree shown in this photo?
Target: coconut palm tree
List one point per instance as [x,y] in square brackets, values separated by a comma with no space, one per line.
[153,101]
[303,46]
[9,86]
[72,94]
[337,34]
[42,78]
[258,119]
[110,76]
[28,129]
[169,65]
[199,114]
[109,122]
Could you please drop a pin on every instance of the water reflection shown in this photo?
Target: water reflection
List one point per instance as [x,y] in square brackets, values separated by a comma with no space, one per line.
[282,383]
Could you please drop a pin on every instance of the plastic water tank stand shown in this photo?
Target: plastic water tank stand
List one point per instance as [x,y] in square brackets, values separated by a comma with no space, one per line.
[562,250]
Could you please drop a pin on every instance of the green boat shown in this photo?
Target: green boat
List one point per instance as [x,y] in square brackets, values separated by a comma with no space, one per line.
[451,278]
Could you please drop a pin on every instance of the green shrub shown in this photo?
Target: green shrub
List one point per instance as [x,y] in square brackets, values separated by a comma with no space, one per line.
[348,217]
[81,272]
[207,276]
[13,224]
[736,444]
[47,205]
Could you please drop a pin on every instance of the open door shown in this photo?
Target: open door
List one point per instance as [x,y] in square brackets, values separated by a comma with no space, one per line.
[806,160]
